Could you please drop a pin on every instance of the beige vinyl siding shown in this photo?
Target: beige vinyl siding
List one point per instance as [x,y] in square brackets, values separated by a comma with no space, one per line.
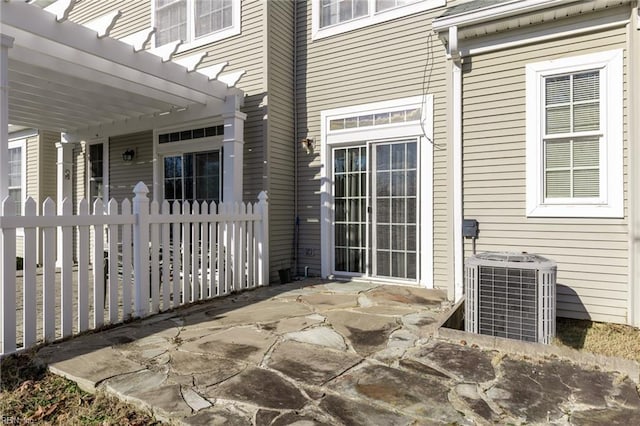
[32,148]
[280,138]
[391,60]
[136,14]
[47,167]
[592,254]
[31,190]
[124,175]
[79,183]
[246,52]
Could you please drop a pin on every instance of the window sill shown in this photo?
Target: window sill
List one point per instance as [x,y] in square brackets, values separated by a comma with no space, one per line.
[577,211]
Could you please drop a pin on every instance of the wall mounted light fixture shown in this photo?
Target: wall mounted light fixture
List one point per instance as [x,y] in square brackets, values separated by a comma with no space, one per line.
[307,144]
[128,155]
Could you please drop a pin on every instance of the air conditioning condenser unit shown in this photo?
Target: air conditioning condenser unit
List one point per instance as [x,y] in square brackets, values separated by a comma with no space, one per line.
[511,295]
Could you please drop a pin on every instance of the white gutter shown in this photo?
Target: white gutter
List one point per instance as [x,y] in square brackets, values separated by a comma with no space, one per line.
[456,147]
[493,13]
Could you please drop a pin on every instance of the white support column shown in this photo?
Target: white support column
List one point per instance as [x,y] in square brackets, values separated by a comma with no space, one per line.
[64,180]
[233,144]
[6,42]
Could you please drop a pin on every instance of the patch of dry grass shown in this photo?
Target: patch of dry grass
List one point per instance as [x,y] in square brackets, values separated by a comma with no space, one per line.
[30,394]
[601,338]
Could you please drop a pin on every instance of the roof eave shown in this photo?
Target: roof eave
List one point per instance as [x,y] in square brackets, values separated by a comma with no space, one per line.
[496,12]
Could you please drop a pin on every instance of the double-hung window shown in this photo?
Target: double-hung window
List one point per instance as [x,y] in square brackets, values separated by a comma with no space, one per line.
[331,17]
[574,137]
[17,175]
[195,22]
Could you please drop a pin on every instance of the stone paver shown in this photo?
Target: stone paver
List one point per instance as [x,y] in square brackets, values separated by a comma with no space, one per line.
[314,353]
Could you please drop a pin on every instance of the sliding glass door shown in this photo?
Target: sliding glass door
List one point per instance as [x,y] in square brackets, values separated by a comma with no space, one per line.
[375,215]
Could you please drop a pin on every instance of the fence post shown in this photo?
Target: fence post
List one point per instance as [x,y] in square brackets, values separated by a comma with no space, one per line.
[262,239]
[141,249]
[8,284]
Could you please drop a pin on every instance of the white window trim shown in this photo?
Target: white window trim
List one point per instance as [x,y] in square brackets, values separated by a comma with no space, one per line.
[105,171]
[422,131]
[235,29]
[611,202]
[371,19]
[22,144]
[161,150]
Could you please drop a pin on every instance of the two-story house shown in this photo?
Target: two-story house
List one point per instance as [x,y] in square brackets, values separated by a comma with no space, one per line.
[376,126]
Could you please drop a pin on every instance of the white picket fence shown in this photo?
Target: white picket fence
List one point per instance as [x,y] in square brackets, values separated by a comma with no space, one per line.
[136,262]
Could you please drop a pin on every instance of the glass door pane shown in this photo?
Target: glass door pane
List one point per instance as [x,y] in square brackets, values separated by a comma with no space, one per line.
[350,221]
[394,194]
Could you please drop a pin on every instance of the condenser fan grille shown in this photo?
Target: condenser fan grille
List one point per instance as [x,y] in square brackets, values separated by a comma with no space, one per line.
[508,303]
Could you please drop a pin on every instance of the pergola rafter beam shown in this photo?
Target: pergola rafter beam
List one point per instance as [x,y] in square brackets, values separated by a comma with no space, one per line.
[104,24]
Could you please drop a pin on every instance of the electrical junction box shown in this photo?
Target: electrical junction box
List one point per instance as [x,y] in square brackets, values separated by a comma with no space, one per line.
[470,228]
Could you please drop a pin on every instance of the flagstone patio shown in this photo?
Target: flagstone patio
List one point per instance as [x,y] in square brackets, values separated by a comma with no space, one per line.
[332,353]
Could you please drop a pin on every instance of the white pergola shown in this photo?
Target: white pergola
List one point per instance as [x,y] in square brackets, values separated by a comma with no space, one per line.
[62,76]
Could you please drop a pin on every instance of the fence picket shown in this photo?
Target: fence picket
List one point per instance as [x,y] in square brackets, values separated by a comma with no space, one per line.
[204,251]
[228,249]
[97,263]
[48,272]
[186,255]
[29,313]
[9,280]
[195,253]
[83,269]
[166,259]
[176,261]
[154,260]
[127,260]
[66,274]
[250,249]
[112,233]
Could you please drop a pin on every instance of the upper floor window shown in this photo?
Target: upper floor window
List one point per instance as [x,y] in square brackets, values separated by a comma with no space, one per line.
[574,137]
[195,22]
[331,17]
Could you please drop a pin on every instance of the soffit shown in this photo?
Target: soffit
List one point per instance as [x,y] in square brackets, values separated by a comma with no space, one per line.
[479,18]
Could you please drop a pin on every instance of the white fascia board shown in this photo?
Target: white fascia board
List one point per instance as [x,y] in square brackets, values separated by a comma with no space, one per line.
[493,13]
[79,45]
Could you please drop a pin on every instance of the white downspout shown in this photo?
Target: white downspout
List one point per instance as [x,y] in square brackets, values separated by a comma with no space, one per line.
[633,316]
[456,147]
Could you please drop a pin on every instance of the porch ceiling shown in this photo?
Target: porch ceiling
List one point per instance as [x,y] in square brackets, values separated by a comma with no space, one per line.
[71,78]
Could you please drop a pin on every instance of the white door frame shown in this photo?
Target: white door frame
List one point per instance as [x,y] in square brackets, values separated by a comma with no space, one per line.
[420,129]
